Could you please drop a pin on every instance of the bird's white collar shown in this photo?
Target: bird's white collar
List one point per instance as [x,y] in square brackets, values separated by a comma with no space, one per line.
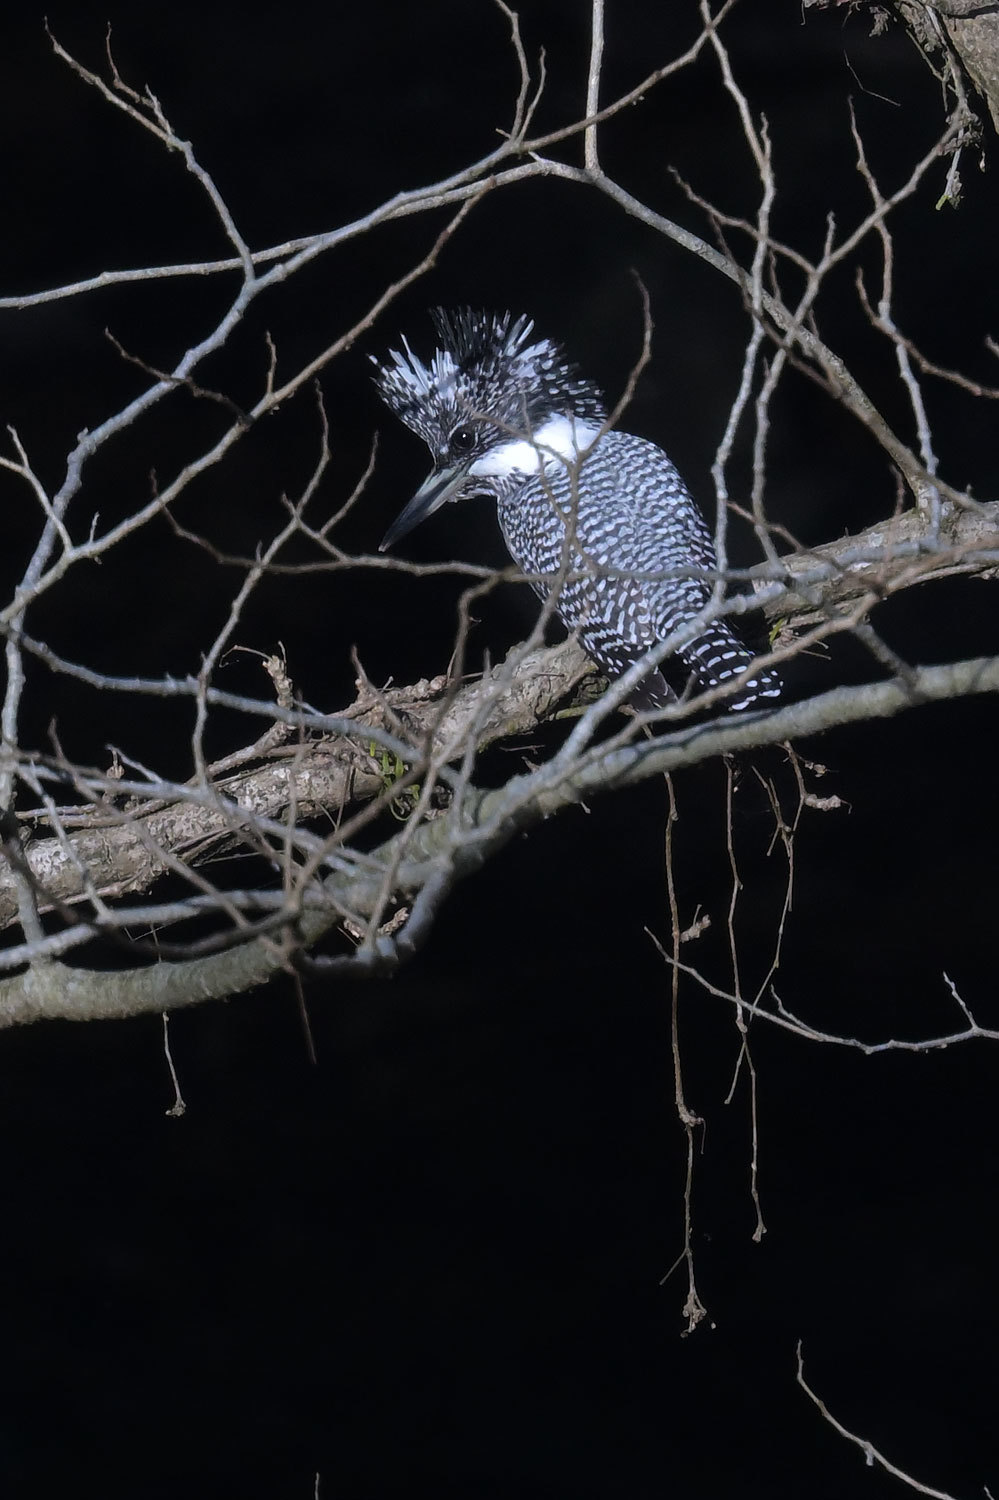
[561,440]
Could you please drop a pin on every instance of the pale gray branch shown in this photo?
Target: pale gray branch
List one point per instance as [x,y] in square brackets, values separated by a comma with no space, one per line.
[871,1454]
[447,848]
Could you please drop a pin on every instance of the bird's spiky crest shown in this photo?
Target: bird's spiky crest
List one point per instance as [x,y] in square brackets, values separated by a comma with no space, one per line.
[486,367]
[479,339]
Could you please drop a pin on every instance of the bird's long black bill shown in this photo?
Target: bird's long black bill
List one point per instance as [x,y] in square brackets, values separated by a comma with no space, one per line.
[434,492]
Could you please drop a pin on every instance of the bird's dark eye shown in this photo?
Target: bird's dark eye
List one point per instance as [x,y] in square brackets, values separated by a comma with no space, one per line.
[462,439]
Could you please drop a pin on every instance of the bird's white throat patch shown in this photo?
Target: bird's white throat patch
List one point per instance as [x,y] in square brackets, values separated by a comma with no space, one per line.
[560,441]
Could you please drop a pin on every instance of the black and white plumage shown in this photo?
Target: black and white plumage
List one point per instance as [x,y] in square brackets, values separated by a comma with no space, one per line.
[601,516]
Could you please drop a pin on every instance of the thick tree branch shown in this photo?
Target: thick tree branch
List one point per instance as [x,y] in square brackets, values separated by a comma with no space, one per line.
[443,850]
[122,850]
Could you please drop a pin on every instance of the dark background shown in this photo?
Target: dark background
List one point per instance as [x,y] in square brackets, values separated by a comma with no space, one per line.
[431,1263]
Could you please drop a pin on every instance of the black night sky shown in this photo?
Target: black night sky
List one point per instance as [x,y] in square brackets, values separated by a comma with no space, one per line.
[431,1263]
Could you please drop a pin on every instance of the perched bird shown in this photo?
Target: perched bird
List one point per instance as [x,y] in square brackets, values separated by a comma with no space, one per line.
[601,518]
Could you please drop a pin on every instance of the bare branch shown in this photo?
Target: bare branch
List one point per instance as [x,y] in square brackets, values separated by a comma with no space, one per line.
[871,1454]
